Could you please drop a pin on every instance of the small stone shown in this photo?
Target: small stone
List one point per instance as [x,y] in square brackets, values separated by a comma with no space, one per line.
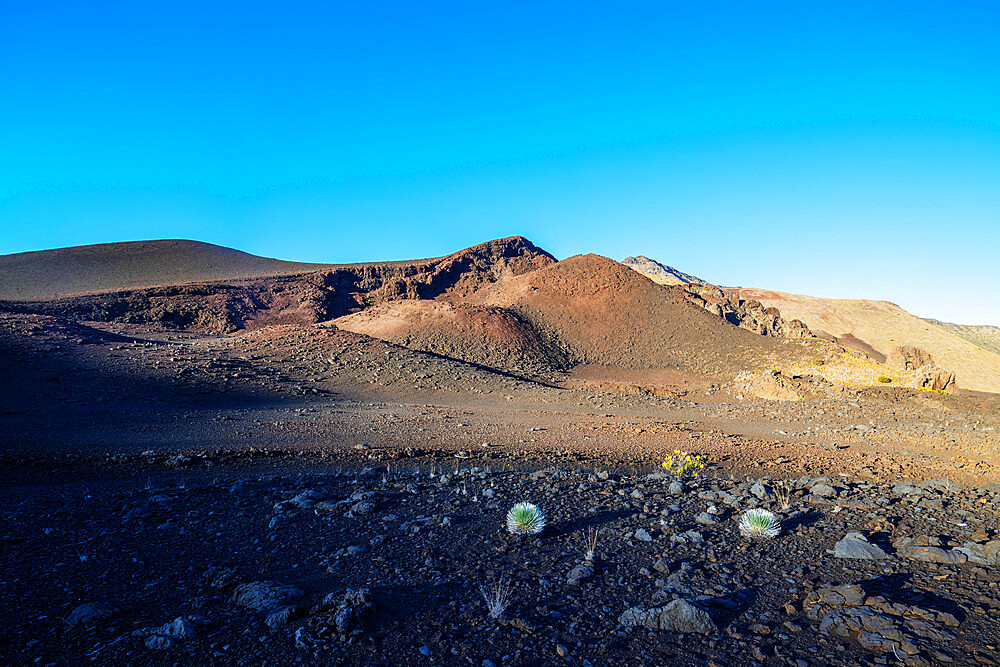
[705,519]
[89,613]
[582,571]
[856,545]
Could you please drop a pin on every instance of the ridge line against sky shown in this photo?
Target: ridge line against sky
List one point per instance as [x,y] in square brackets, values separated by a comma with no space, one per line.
[843,150]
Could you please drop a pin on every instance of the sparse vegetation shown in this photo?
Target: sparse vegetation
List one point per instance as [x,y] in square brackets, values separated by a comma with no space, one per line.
[497,595]
[525,519]
[759,523]
[590,544]
[783,492]
[884,379]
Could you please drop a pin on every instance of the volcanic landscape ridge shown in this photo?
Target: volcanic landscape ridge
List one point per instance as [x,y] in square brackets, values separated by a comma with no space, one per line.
[492,457]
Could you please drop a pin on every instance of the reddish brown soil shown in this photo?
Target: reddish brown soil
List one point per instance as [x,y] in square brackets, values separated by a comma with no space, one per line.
[604,313]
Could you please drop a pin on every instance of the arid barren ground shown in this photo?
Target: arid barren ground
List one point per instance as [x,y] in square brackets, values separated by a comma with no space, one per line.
[315,467]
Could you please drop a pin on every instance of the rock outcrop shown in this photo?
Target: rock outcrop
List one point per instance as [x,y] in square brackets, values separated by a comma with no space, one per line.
[316,296]
[908,358]
[751,315]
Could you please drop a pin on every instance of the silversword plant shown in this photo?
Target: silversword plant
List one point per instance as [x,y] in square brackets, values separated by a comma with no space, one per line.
[759,523]
[525,519]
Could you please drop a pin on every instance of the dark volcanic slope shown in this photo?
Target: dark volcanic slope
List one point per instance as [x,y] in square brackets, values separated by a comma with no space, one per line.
[45,274]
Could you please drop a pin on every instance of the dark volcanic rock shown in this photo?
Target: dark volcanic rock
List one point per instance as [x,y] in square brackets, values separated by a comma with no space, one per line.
[278,601]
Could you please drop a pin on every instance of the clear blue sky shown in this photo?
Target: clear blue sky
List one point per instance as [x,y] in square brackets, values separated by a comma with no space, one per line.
[838,149]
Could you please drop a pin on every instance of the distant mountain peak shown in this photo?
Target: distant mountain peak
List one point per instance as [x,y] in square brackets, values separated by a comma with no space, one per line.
[660,273]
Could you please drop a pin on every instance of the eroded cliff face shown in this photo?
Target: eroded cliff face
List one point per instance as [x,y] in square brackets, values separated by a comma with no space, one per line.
[228,306]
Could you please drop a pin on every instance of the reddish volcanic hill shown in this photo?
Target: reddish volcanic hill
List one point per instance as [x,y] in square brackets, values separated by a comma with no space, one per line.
[601,312]
[483,335]
[586,309]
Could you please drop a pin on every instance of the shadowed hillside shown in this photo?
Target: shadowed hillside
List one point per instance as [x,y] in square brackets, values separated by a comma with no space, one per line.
[45,274]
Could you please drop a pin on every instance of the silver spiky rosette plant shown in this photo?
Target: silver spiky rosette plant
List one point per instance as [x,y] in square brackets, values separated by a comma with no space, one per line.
[525,519]
[760,524]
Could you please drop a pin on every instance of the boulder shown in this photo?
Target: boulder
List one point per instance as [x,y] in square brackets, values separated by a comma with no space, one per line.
[278,601]
[934,379]
[932,555]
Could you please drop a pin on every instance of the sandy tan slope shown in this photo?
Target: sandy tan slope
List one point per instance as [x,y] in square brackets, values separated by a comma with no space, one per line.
[984,335]
[46,274]
[884,325]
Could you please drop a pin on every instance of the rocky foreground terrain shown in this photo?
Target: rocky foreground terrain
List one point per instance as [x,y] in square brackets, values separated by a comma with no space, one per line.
[382,557]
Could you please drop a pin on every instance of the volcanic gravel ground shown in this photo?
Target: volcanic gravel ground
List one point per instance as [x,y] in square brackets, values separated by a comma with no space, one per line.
[155,542]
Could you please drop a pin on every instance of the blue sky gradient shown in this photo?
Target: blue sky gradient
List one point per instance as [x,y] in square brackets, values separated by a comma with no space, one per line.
[836,149]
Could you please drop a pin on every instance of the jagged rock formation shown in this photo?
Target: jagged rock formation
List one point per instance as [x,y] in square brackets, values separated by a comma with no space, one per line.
[749,314]
[934,379]
[929,375]
[312,296]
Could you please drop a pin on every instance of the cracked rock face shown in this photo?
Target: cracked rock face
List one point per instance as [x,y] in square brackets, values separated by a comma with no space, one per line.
[335,618]
[877,624]
[677,616]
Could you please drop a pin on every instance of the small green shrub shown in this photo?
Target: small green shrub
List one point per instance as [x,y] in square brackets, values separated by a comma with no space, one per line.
[884,379]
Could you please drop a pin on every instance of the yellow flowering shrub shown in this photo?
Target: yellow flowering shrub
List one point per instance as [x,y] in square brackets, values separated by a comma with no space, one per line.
[684,464]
